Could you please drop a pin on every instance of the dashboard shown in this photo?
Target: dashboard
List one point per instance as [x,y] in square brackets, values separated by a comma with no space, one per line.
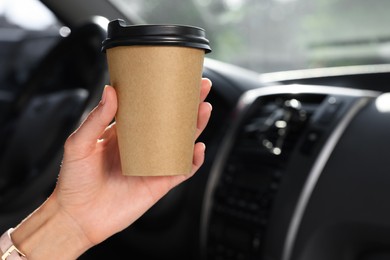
[302,173]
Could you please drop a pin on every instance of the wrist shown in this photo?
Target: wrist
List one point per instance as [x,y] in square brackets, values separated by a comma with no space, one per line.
[49,232]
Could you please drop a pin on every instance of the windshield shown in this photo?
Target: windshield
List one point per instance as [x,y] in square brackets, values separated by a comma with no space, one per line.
[277,35]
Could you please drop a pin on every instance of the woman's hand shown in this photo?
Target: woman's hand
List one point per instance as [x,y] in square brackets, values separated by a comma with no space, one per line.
[91,189]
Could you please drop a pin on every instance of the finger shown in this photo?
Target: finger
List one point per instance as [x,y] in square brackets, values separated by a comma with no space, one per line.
[197,162]
[204,115]
[205,88]
[85,137]
[199,154]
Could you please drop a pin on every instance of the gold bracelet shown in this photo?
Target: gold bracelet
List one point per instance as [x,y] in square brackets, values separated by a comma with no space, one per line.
[11,252]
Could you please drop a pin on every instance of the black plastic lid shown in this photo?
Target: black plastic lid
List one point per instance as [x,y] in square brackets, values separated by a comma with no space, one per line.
[120,34]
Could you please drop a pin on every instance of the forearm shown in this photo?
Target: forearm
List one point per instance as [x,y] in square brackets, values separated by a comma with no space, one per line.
[49,233]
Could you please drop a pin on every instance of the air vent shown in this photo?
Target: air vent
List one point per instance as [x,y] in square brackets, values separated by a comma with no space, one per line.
[251,173]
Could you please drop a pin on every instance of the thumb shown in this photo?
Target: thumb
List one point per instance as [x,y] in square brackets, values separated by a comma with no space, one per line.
[82,142]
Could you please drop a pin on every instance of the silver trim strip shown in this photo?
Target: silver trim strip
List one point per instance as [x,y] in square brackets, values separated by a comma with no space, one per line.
[315,174]
[249,96]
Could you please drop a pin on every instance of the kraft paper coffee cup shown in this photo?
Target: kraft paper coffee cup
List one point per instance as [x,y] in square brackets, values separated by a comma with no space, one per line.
[156,71]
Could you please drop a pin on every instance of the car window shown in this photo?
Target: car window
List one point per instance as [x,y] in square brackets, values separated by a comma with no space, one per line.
[276,35]
[34,15]
[26,34]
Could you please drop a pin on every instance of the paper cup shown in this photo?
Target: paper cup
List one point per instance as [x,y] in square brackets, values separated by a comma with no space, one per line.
[156,71]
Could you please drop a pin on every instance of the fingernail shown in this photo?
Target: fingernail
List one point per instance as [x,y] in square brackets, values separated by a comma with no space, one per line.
[211,106]
[103,100]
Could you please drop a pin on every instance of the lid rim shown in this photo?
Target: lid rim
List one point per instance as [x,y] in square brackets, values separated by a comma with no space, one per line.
[113,44]
[119,34]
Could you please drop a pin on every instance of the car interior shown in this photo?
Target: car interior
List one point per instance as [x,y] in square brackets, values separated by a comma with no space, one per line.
[297,159]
